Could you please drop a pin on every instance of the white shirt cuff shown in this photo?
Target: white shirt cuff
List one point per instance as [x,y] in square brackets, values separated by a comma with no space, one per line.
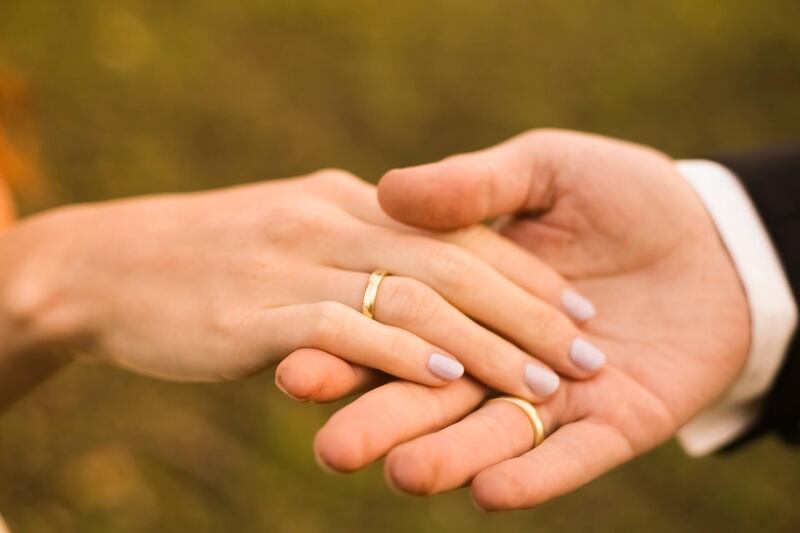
[773,310]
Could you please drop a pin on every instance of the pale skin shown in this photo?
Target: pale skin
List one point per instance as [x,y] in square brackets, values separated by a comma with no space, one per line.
[219,285]
[6,205]
[617,221]
[20,373]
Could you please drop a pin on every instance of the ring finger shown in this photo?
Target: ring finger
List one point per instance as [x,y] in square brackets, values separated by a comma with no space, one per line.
[451,457]
[519,265]
[411,306]
[481,292]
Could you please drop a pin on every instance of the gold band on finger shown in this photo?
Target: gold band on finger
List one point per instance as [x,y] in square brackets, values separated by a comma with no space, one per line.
[371,292]
[530,411]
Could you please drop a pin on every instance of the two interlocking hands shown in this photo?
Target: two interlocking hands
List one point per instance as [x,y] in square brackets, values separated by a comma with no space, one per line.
[603,295]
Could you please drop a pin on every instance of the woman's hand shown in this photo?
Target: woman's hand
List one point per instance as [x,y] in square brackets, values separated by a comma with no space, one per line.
[20,369]
[218,285]
[6,205]
[618,220]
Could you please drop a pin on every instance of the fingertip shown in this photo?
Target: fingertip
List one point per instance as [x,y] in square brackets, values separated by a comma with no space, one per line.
[477,505]
[496,491]
[390,481]
[335,450]
[484,494]
[305,382]
[542,381]
[313,375]
[398,190]
[577,305]
[285,391]
[446,369]
[288,382]
[429,196]
[323,464]
[408,472]
[586,356]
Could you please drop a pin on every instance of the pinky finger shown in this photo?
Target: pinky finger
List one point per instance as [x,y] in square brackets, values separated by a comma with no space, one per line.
[309,374]
[523,268]
[339,330]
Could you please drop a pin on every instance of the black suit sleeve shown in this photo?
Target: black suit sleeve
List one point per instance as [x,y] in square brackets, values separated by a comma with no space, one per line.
[772,179]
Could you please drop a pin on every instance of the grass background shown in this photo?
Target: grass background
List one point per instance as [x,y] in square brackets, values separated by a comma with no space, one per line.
[136,97]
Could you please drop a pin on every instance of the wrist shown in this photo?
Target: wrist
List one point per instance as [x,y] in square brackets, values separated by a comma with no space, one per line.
[771,306]
[36,316]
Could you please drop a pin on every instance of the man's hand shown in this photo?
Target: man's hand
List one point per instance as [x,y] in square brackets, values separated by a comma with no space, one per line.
[619,222]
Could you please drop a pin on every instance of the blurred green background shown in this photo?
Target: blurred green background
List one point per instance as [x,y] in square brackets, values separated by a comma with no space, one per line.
[138,97]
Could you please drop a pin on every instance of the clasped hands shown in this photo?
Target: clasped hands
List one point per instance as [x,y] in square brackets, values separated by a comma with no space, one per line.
[603,296]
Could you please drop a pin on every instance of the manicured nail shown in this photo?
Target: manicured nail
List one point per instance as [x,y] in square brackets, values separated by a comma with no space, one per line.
[540,380]
[445,367]
[576,305]
[586,355]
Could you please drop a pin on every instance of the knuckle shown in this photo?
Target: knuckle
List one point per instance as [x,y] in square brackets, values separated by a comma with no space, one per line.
[494,363]
[228,327]
[471,237]
[282,221]
[25,304]
[335,177]
[425,400]
[550,327]
[543,322]
[504,432]
[235,372]
[546,135]
[41,314]
[400,346]
[286,223]
[408,300]
[451,266]
[330,321]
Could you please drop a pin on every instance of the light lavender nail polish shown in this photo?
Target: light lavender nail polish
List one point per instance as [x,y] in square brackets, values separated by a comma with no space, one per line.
[540,380]
[576,305]
[445,367]
[586,355]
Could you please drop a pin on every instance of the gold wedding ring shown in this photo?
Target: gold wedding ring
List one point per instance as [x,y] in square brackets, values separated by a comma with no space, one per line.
[371,292]
[530,412]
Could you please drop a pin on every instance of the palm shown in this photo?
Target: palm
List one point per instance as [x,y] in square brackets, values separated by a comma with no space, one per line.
[669,306]
[622,225]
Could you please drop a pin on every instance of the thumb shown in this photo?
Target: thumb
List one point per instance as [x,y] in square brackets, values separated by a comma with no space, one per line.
[518,175]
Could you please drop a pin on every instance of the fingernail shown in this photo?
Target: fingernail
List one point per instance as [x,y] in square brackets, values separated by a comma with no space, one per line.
[445,367]
[391,484]
[478,506]
[323,465]
[287,393]
[586,355]
[576,305]
[540,380]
